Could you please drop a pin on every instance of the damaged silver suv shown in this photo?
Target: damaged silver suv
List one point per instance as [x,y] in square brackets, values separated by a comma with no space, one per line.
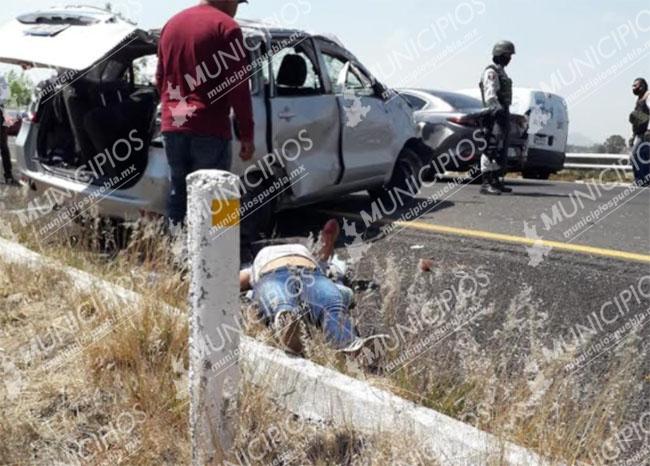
[321,119]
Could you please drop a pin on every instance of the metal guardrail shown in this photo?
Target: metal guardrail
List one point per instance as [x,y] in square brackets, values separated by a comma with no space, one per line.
[576,161]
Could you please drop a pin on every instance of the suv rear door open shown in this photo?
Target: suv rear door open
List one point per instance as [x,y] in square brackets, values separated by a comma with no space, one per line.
[64,38]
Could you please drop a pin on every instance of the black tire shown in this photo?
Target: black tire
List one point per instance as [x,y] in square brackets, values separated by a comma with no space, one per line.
[536,174]
[406,176]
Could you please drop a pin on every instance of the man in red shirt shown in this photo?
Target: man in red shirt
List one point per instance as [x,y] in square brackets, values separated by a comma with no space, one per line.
[203,72]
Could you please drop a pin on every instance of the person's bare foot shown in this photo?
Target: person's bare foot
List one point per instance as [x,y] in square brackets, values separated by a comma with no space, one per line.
[328,236]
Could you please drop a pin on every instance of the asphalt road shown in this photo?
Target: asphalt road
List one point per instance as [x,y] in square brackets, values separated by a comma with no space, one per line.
[602,216]
[624,223]
[539,297]
[554,253]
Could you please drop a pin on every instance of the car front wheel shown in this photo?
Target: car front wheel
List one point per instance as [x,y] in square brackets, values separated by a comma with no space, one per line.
[406,180]
[536,174]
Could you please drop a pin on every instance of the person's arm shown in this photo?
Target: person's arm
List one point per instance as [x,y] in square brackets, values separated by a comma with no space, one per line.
[245,279]
[491,89]
[239,97]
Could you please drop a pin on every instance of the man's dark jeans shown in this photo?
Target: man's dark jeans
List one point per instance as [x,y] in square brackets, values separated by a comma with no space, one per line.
[187,153]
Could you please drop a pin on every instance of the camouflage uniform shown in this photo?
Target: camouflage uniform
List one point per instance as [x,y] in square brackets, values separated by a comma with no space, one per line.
[497,95]
[496,90]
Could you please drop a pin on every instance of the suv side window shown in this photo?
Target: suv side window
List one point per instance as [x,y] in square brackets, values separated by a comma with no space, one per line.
[355,80]
[144,70]
[295,69]
[416,102]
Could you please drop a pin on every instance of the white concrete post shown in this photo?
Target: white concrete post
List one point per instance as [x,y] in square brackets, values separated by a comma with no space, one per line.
[213,248]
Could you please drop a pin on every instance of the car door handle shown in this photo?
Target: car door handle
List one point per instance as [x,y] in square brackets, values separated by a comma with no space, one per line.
[286,115]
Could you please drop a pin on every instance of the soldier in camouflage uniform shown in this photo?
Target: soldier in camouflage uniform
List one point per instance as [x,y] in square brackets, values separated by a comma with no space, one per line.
[496,90]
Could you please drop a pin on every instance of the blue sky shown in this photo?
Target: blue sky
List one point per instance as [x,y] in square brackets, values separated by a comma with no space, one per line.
[563,45]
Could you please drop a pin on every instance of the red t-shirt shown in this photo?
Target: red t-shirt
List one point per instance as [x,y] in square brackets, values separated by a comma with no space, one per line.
[203,72]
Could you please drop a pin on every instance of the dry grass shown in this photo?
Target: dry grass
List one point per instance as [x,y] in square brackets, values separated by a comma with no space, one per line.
[501,381]
[142,257]
[504,381]
[268,435]
[122,398]
[96,403]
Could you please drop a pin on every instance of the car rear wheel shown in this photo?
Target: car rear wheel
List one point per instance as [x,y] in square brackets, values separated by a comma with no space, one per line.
[536,174]
[406,178]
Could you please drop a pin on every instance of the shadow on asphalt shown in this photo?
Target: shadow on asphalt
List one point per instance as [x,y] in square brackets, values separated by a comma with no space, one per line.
[517,182]
[515,193]
[508,181]
[351,211]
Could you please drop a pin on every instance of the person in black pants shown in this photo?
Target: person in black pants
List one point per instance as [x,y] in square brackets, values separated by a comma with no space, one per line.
[640,142]
[4,151]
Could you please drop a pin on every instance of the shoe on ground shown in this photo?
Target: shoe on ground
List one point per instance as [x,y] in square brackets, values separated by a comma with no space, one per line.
[490,185]
[503,188]
[11,181]
[490,190]
[286,328]
[365,348]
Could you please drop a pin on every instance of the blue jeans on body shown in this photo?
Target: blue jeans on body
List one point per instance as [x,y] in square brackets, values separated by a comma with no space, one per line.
[309,292]
[187,153]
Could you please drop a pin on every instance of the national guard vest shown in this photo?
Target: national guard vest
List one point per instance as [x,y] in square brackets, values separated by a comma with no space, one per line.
[505,86]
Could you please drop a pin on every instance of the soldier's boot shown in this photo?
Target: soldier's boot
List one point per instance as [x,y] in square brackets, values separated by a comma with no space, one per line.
[488,187]
[500,185]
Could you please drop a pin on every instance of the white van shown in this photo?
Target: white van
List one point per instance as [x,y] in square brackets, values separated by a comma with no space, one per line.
[548,129]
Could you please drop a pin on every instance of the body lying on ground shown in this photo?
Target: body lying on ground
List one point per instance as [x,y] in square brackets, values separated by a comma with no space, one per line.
[290,285]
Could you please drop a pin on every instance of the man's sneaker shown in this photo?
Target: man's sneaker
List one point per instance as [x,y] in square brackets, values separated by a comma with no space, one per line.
[11,181]
[286,328]
[490,185]
[498,182]
[490,190]
[370,348]
[501,186]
